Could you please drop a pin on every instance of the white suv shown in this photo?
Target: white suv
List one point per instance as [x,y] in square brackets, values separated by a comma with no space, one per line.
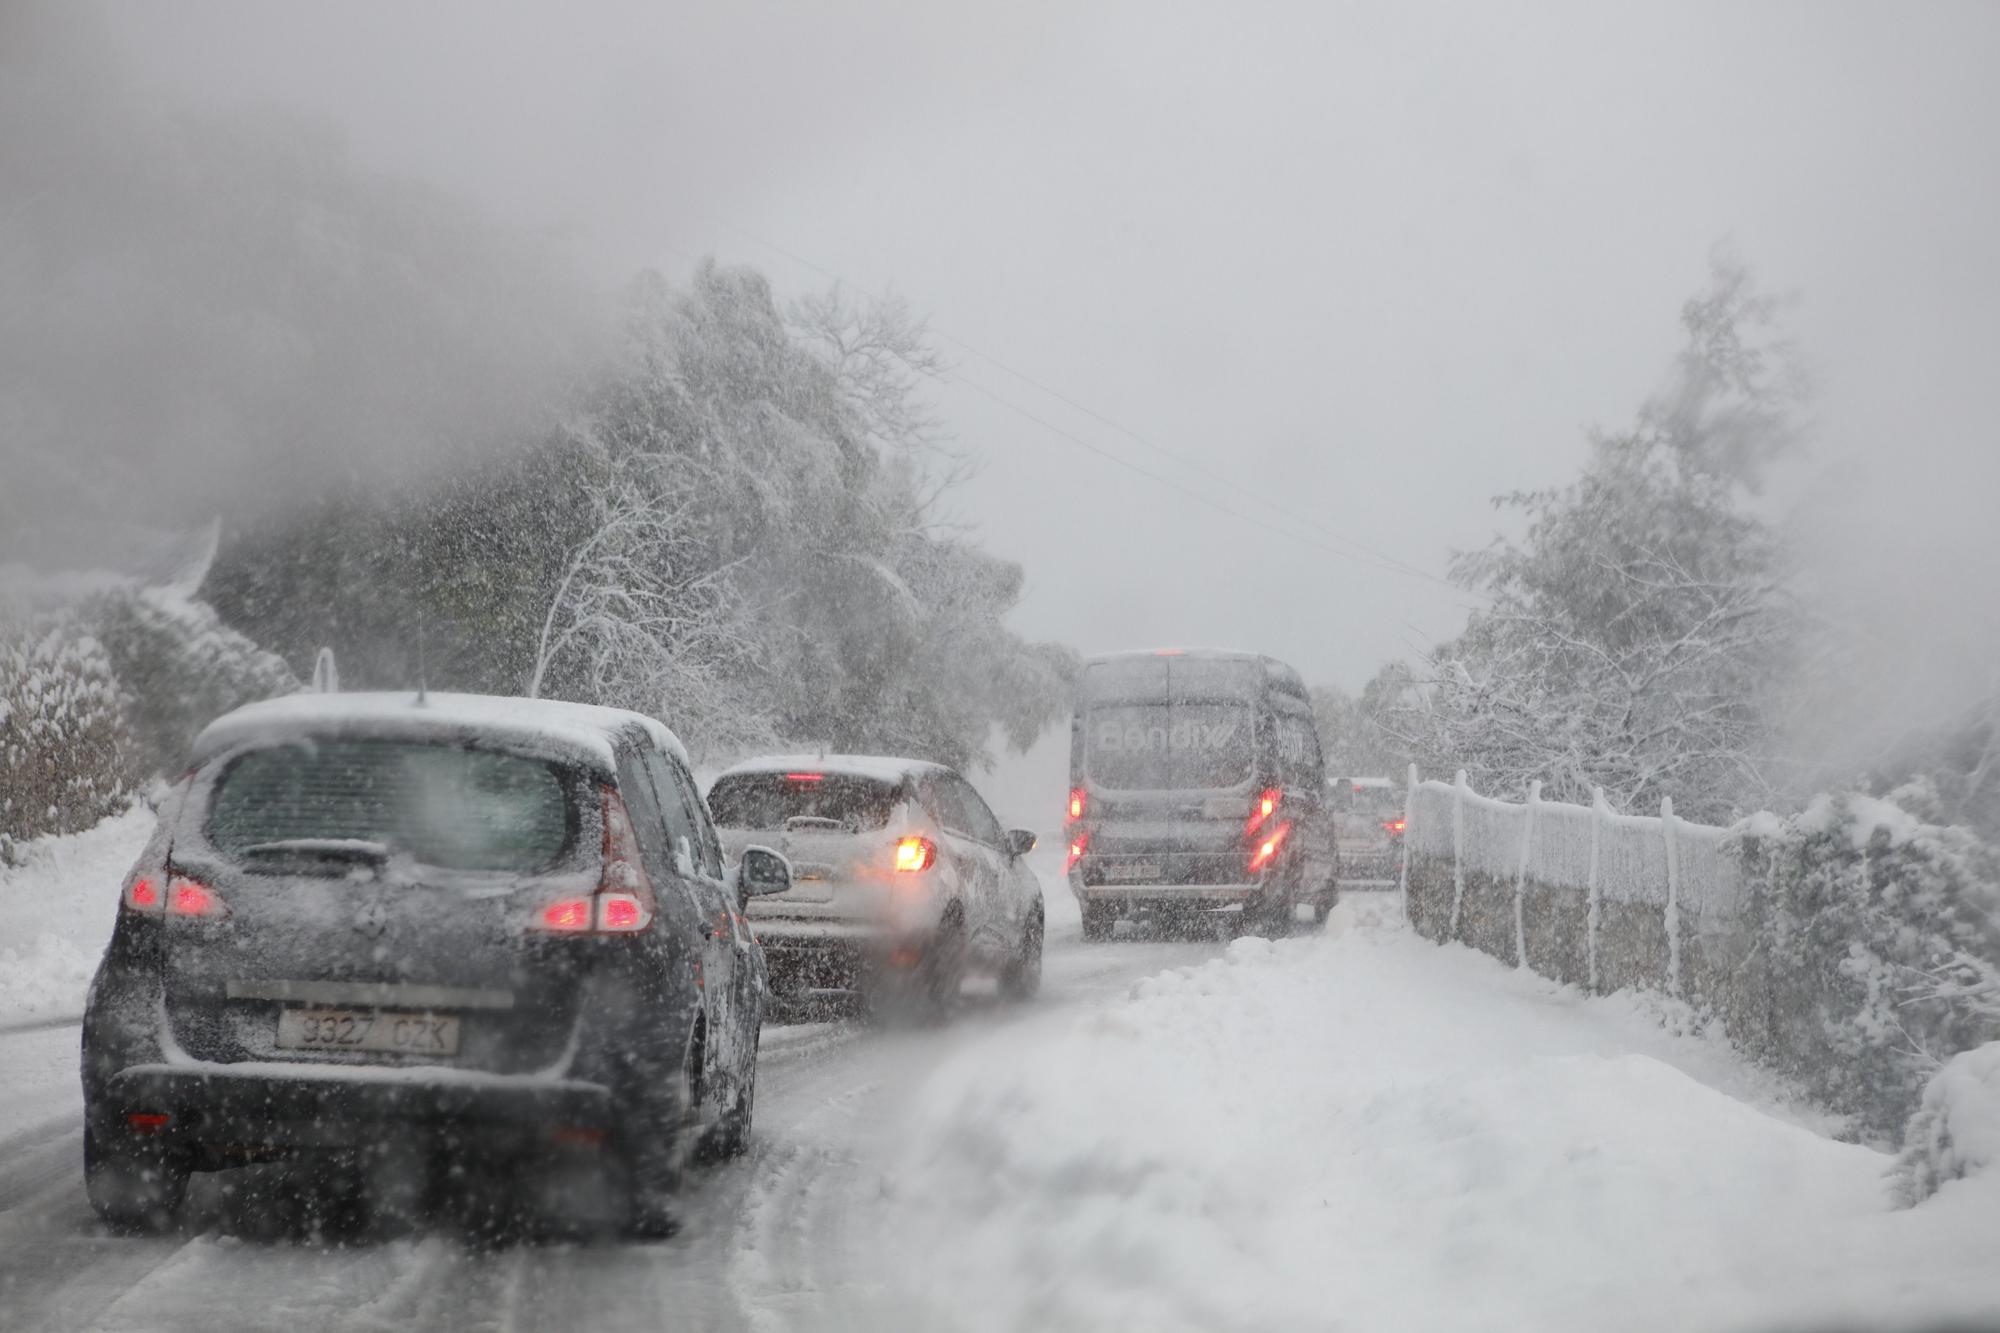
[903,880]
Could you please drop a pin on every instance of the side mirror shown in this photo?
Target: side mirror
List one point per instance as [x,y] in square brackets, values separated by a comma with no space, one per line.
[1019,842]
[762,872]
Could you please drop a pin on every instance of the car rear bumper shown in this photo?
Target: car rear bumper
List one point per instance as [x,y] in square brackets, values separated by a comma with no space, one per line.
[258,1107]
[1165,895]
[1359,868]
[807,957]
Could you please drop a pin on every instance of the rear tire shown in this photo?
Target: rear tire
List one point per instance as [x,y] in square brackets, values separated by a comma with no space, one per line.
[926,991]
[732,1132]
[133,1190]
[1022,976]
[658,1109]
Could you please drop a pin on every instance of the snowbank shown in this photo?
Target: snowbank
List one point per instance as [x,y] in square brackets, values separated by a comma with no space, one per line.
[1368,1132]
[1956,1132]
[59,903]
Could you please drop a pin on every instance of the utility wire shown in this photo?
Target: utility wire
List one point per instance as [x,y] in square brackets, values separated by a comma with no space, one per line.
[1190,492]
[1357,550]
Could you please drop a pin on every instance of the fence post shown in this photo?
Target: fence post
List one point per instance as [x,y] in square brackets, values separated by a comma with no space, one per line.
[1409,808]
[1599,811]
[1457,850]
[1521,879]
[1673,914]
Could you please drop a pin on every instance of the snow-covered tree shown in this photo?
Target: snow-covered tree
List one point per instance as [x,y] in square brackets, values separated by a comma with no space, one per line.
[1877,947]
[1638,637]
[755,556]
[1356,733]
[636,620]
[177,667]
[64,745]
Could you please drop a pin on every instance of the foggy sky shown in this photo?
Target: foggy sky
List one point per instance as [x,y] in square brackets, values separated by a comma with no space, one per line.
[1375,264]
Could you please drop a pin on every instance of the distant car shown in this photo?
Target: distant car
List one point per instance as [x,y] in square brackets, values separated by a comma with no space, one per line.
[1368,821]
[1196,793]
[428,930]
[903,880]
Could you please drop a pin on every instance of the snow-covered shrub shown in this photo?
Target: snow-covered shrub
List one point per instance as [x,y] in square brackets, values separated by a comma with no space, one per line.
[1876,948]
[64,744]
[177,666]
[1956,1131]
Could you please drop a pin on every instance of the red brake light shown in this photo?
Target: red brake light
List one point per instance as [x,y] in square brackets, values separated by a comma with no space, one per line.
[620,913]
[624,882]
[1076,847]
[1393,825]
[187,897]
[145,1124]
[914,854]
[623,903]
[1268,849]
[566,915]
[143,893]
[1078,798]
[1265,806]
[805,777]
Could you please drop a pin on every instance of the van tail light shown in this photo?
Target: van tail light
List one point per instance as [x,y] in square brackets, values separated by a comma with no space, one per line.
[1267,850]
[915,854]
[624,901]
[1078,800]
[1264,807]
[1393,827]
[1077,846]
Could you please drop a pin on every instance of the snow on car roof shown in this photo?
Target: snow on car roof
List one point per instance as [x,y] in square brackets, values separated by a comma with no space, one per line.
[881,768]
[550,728]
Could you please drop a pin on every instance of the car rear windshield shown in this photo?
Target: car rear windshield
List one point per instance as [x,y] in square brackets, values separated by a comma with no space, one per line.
[446,806]
[767,801]
[1370,800]
[1168,746]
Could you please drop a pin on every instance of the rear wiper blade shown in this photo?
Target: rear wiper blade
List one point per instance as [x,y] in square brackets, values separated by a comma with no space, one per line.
[329,849]
[802,823]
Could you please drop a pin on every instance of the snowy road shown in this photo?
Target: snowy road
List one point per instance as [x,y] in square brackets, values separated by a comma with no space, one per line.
[780,1240]
[1358,1130]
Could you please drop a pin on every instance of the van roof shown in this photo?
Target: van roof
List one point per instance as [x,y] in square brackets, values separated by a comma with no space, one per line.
[547,728]
[1283,676]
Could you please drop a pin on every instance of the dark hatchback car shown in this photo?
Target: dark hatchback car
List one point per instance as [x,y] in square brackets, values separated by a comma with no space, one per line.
[425,931]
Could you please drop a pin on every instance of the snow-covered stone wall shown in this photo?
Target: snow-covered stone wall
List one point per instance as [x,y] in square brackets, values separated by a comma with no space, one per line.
[1852,946]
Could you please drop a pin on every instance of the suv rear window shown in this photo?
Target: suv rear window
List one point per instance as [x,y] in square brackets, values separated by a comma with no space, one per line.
[446,806]
[766,800]
[1368,800]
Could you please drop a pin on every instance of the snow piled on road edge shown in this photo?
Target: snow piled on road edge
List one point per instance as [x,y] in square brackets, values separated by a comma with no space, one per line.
[61,900]
[1372,1132]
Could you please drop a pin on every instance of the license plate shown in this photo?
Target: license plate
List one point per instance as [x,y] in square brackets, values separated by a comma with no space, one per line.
[1133,870]
[367,1030]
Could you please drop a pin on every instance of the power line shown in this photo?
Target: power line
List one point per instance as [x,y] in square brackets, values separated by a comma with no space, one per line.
[1361,549]
[1172,485]
[1357,550]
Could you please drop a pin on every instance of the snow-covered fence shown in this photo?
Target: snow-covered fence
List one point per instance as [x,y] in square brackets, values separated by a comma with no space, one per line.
[1852,946]
[1578,893]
